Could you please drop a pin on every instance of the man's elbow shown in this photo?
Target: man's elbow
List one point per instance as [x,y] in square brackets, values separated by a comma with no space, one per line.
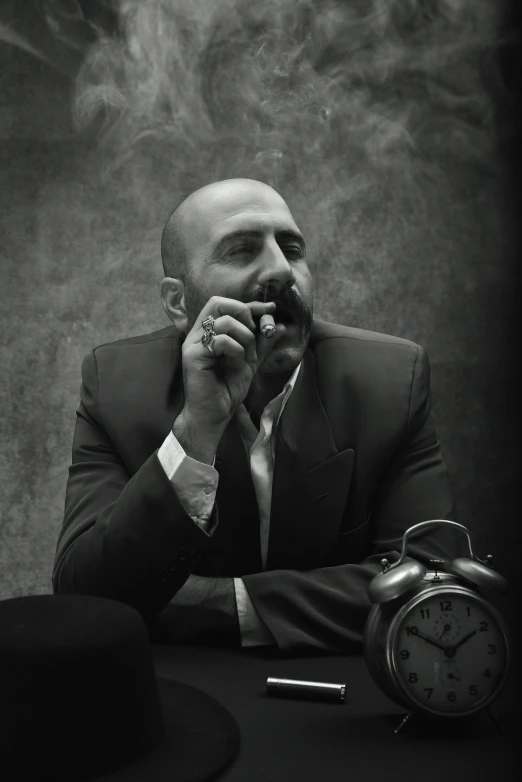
[61,580]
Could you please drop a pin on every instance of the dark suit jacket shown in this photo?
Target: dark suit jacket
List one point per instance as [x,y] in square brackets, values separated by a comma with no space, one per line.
[357,462]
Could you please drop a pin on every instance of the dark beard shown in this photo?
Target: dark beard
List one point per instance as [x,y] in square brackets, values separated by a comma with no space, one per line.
[195,300]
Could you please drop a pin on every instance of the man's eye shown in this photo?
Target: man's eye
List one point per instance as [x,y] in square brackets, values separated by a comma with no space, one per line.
[246,248]
[296,250]
[242,249]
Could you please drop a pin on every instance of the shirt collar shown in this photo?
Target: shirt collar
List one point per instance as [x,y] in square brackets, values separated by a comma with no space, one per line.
[288,388]
[273,410]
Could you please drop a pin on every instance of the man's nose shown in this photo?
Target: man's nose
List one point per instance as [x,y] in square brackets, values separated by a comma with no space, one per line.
[277,271]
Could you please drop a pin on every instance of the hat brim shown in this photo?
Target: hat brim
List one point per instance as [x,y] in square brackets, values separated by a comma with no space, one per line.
[202,739]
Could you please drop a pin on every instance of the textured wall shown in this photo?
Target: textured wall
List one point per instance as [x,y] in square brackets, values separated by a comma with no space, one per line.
[384,138]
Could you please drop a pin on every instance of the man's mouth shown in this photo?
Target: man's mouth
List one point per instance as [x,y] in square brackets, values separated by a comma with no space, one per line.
[284,316]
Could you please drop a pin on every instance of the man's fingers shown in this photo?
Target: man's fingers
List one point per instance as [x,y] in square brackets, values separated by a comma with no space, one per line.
[235,309]
[226,324]
[258,308]
[245,313]
[219,306]
[235,319]
[224,345]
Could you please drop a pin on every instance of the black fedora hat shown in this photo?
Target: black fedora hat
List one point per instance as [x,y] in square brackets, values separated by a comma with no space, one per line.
[80,700]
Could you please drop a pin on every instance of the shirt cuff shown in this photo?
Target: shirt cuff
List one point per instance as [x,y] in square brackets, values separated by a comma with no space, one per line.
[194,482]
[254,631]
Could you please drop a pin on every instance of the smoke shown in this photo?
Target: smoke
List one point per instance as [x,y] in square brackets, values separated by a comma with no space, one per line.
[294,91]
[11,37]
[377,120]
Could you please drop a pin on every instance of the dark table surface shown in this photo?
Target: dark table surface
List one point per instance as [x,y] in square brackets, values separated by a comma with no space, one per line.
[287,740]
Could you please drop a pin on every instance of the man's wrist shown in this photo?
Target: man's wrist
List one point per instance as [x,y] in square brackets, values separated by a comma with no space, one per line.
[207,609]
[219,594]
[197,442]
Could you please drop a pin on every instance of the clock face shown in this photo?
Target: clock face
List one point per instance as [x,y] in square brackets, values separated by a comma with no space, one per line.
[450,654]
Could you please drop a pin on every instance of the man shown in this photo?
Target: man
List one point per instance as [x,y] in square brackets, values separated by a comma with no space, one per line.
[242,489]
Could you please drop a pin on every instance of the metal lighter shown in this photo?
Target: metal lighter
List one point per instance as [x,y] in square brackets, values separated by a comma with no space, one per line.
[296,688]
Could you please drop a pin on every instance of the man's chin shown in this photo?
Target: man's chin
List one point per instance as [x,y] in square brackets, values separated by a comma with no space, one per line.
[287,353]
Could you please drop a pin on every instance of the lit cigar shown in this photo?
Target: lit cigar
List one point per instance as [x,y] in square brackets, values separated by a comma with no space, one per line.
[267,325]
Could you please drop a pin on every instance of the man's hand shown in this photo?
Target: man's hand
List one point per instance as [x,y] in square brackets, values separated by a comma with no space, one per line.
[217,383]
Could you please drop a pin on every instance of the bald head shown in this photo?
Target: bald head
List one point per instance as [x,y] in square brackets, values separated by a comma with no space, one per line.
[189,224]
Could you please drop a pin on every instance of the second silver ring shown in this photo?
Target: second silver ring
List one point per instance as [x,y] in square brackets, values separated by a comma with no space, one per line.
[208,340]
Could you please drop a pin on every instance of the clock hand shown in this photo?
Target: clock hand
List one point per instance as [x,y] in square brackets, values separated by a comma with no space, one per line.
[463,640]
[452,676]
[430,641]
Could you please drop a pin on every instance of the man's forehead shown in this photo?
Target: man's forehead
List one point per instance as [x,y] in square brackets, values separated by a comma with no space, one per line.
[216,210]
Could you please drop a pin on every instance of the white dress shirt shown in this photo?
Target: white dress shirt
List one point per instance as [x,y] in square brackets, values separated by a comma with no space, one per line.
[196,483]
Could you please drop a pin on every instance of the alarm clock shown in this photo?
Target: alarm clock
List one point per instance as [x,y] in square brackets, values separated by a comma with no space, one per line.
[432,641]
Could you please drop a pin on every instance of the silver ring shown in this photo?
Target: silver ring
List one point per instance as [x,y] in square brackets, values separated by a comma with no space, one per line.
[209,336]
[208,324]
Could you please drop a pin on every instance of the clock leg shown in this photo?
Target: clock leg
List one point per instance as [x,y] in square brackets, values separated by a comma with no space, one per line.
[404,721]
[494,720]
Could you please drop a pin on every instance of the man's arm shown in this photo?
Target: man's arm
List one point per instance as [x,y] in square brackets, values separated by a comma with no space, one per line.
[126,538]
[203,610]
[326,608]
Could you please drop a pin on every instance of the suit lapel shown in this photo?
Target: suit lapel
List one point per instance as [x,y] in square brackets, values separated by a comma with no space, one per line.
[311,480]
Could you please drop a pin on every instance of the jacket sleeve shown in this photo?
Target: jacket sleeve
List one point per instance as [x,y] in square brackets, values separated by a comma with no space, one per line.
[123,537]
[326,608]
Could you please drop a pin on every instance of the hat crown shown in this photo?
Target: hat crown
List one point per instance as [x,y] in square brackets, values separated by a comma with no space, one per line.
[78,686]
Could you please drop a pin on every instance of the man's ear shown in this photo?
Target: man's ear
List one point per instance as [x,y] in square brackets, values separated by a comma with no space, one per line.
[172,293]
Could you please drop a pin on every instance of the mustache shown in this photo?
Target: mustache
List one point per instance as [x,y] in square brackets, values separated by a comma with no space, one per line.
[287,299]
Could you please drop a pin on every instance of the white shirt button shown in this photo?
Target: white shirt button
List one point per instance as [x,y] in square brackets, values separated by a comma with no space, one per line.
[209,489]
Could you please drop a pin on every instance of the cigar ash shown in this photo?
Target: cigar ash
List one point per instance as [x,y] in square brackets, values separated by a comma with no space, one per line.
[267,325]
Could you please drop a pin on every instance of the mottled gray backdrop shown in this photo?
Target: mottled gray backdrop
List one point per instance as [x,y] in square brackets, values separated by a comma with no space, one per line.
[387,126]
